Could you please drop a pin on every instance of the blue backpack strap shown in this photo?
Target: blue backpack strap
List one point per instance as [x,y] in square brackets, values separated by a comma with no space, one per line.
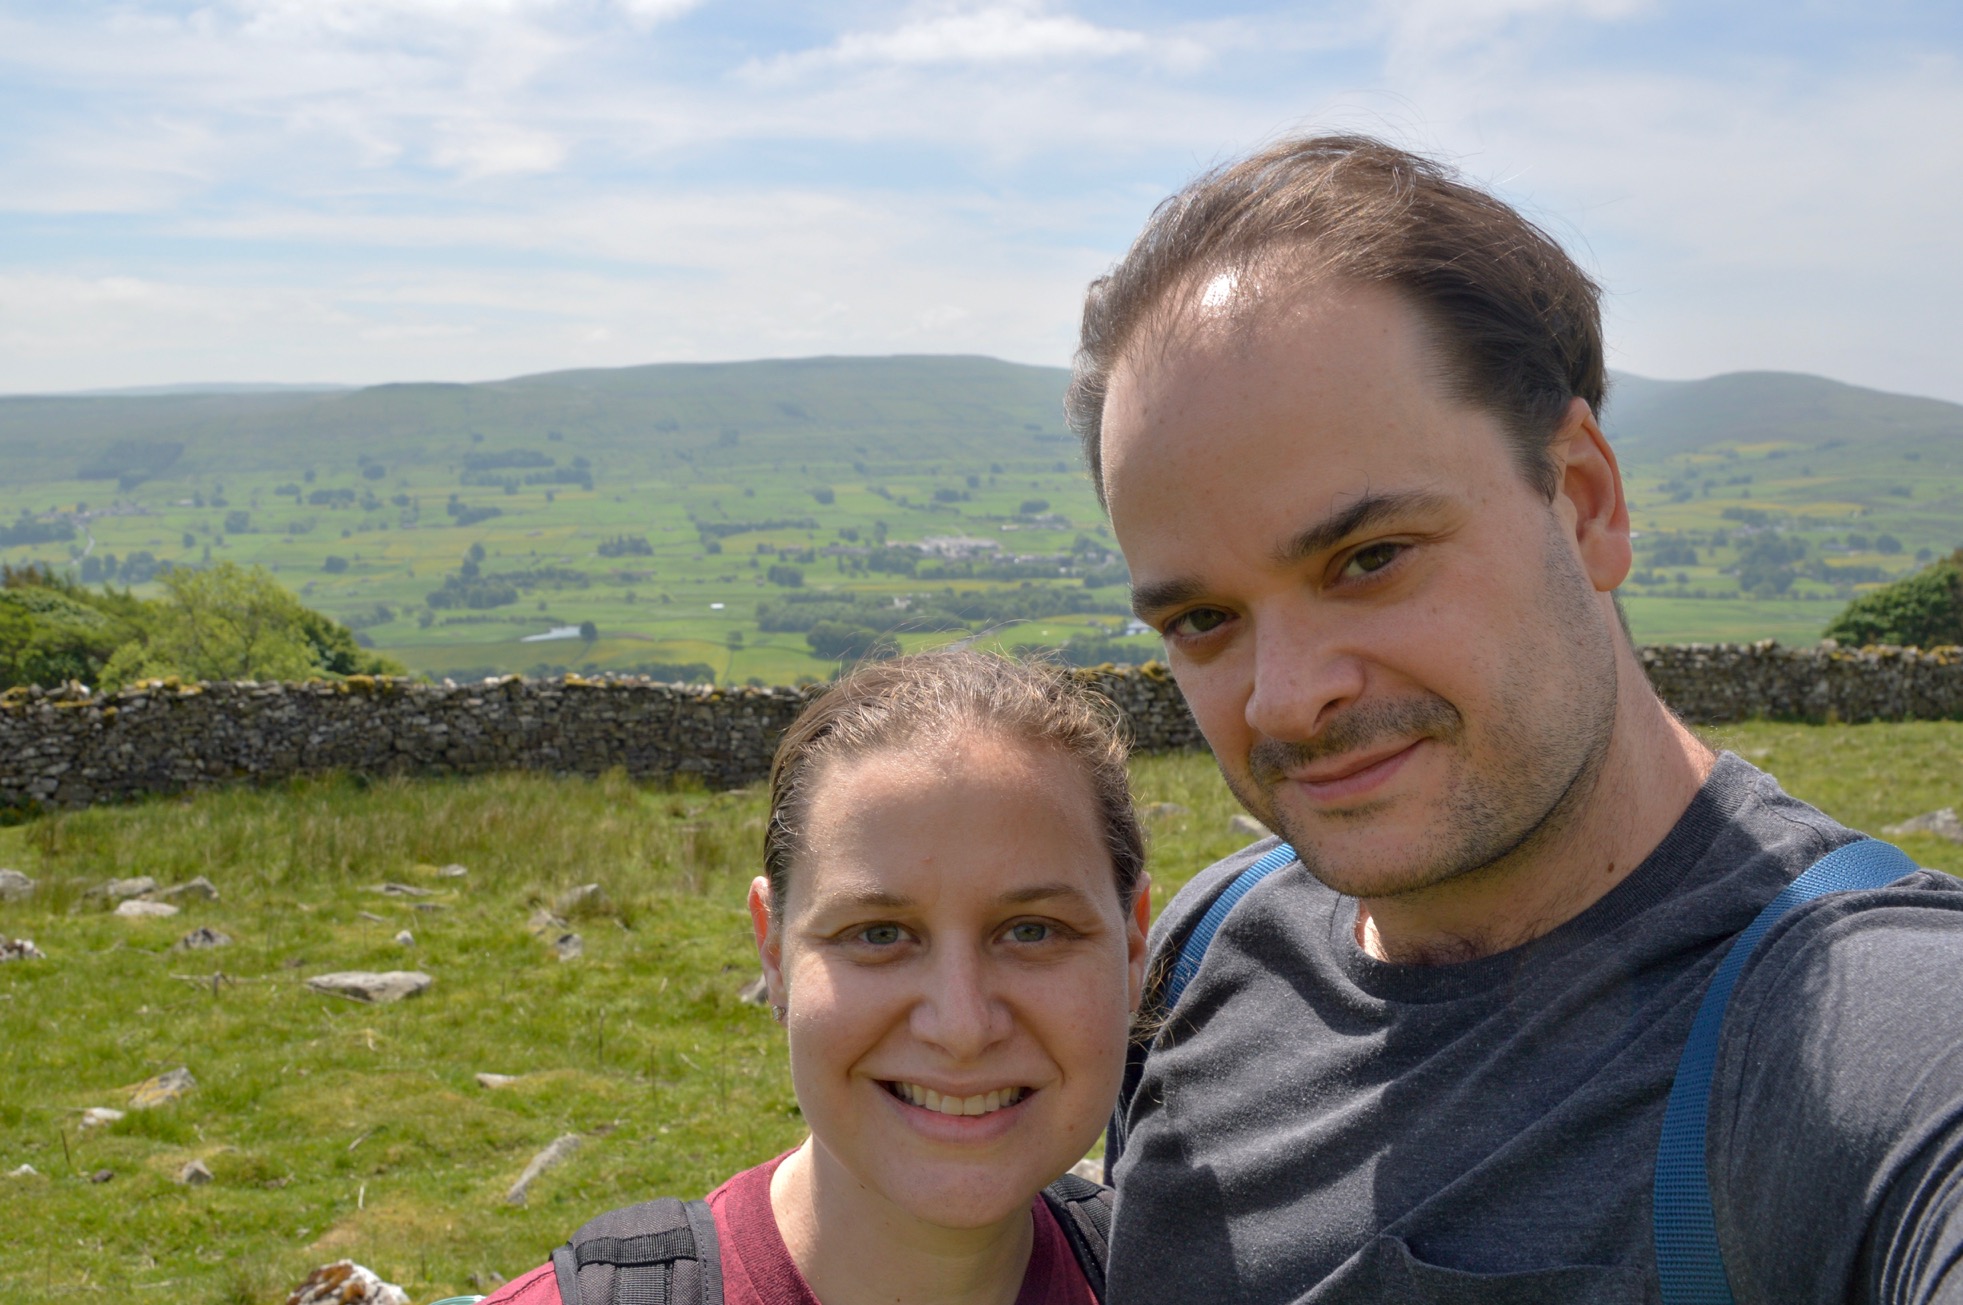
[1193,951]
[1689,1265]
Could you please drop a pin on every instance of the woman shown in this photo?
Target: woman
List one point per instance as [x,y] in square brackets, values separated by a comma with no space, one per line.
[952,928]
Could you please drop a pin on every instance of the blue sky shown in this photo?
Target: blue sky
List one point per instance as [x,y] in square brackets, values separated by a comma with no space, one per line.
[369,190]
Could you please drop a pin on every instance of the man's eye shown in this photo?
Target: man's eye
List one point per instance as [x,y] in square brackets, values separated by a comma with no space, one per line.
[1372,557]
[881,935]
[1029,931]
[1200,620]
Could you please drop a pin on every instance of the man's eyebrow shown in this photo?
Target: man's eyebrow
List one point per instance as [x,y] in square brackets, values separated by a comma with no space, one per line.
[1369,510]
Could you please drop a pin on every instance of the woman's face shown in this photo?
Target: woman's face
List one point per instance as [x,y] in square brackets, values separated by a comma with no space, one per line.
[959,972]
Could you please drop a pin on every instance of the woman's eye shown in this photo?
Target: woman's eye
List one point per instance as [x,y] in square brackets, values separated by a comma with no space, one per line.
[1029,931]
[1200,620]
[881,935]
[1371,558]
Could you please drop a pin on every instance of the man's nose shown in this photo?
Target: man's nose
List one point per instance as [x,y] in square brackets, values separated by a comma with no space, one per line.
[961,1013]
[1302,675]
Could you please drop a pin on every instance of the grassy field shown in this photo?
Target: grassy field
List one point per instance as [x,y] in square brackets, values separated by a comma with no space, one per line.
[338,1129]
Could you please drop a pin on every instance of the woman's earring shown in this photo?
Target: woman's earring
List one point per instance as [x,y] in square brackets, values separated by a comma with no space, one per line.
[781,1012]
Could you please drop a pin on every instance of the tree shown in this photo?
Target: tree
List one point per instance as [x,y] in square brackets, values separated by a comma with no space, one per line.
[1924,610]
[229,622]
[588,632]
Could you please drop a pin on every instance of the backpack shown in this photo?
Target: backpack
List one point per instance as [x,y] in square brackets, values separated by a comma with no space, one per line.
[1689,1262]
[664,1252]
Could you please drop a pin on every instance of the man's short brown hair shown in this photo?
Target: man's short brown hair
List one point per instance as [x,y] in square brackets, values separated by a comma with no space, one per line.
[1518,323]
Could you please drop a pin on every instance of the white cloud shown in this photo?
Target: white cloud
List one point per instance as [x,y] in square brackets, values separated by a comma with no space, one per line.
[992,32]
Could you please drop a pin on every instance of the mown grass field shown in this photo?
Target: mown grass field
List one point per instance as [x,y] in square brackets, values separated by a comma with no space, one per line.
[338,1129]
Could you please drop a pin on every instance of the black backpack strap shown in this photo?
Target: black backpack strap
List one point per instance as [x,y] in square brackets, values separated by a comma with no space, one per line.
[1083,1210]
[656,1253]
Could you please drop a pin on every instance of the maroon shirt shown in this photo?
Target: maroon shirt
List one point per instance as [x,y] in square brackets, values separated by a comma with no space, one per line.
[757,1268]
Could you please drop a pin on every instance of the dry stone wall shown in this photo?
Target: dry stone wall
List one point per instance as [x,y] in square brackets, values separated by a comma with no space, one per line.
[69,748]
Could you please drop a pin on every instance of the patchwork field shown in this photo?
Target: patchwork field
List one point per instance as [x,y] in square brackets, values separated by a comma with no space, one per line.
[699,521]
[332,1128]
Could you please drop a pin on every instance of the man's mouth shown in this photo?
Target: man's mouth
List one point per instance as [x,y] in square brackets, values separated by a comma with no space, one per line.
[982,1103]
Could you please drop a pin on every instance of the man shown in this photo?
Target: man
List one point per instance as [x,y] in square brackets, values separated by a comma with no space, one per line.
[1343,410]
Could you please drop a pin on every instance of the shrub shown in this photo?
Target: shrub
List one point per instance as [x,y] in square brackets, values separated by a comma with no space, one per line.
[1924,610]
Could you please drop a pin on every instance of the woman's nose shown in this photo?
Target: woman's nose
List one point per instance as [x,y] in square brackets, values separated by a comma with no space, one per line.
[960,1012]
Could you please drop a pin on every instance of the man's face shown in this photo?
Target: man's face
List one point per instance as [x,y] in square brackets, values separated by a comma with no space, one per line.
[1386,634]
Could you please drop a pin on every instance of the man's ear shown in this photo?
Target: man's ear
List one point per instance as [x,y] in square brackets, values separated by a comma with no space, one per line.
[1138,923]
[770,942]
[1589,496]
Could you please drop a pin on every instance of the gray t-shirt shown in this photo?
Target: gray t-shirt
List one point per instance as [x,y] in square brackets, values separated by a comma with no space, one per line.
[1317,1126]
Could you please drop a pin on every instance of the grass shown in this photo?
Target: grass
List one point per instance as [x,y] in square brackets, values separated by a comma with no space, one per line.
[336,1129]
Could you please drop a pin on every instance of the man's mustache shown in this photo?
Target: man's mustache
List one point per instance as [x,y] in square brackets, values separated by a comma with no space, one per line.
[1356,730]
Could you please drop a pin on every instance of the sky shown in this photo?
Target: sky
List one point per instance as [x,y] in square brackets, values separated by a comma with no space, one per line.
[358,191]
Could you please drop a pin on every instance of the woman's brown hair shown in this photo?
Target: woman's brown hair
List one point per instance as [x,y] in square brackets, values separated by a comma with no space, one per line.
[938,697]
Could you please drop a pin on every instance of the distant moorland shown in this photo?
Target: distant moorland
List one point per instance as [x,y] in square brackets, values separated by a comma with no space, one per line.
[761,520]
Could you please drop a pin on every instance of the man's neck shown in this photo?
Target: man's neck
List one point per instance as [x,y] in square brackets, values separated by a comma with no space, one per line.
[855,1247]
[1652,769]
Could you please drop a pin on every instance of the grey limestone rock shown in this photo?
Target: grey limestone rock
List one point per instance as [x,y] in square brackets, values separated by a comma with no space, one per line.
[1942,823]
[371,986]
[20,949]
[193,1174]
[202,938]
[142,908]
[14,885]
[201,888]
[117,890]
[569,947]
[1247,826]
[162,1089]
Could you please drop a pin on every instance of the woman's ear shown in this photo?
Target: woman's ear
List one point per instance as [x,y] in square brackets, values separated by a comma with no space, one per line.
[1138,924]
[770,943]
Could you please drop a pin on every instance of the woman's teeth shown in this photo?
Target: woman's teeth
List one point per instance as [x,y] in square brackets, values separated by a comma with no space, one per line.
[983,1104]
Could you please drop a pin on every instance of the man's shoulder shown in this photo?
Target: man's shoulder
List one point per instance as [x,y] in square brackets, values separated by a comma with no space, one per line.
[1191,901]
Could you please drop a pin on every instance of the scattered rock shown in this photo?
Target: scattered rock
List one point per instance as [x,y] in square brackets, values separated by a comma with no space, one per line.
[346,1283]
[14,885]
[98,1116]
[451,872]
[543,922]
[25,1171]
[117,890]
[161,1090]
[569,947]
[400,890]
[756,992]
[1248,827]
[20,949]
[369,916]
[202,938]
[404,938]
[581,900]
[201,888]
[102,1175]
[1161,811]
[139,908]
[365,985]
[1942,824]
[1090,1167]
[561,1147]
[492,1082]
[193,1174]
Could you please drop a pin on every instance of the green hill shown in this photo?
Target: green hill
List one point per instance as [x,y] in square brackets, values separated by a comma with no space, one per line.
[684,510]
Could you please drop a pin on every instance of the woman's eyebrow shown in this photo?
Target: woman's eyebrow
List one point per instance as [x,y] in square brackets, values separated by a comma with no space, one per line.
[1044,893]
